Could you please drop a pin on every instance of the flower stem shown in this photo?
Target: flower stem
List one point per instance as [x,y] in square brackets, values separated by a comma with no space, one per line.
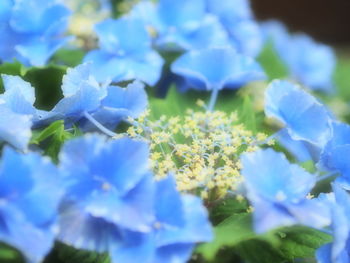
[213,98]
[99,125]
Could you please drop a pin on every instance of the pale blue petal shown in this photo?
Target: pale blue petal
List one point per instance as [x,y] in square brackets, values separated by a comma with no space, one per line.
[304,117]
[196,229]
[111,162]
[123,37]
[231,11]
[323,254]
[281,182]
[15,128]
[105,66]
[178,253]
[169,206]
[216,68]
[182,14]
[134,211]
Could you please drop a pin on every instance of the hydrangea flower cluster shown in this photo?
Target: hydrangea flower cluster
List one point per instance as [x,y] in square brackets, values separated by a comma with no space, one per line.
[32,39]
[208,163]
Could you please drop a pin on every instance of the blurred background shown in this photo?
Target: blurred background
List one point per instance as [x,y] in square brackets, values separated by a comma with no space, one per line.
[326,20]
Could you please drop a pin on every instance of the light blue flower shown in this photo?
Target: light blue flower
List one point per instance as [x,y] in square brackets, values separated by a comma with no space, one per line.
[30,194]
[29,38]
[217,68]
[338,250]
[181,25]
[237,18]
[114,205]
[125,52]
[119,103]
[17,111]
[309,62]
[85,98]
[334,156]
[303,116]
[278,192]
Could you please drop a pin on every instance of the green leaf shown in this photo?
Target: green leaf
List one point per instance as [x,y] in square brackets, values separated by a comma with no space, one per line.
[342,78]
[247,114]
[68,57]
[271,63]
[71,255]
[47,132]
[302,242]
[14,68]
[47,83]
[230,232]
[226,208]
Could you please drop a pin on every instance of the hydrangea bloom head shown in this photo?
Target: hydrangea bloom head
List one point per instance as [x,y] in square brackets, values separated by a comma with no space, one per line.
[217,68]
[278,191]
[181,25]
[309,62]
[304,117]
[125,52]
[334,156]
[84,95]
[29,38]
[114,205]
[338,250]
[30,194]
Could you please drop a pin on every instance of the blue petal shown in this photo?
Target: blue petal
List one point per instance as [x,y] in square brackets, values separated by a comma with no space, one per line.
[299,149]
[209,34]
[5,10]
[20,234]
[83,231]
[119,104]
[38,52]
[105,66]
[231,11]
[183,14]
[47,13]
[323,254]
[113,162]
[123,37]
[147,69]
[216,68]
[268,216]
[19,95]
[246,37]
[134,211]
[304,117]
[169,207]
[15,128]
[281,181]
[178,253]
[197,227]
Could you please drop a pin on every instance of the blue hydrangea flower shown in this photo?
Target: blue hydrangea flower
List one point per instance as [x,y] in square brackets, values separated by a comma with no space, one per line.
[114,205]
[237,18]
[119,104]
[303,151]
[278,192]
[18,112]
[83,96]
[339,250]
[309,62]
[125,52]
[304,117]
[181,25]
[217,68]
[30,194]
[29,38]
[15,128]
[334,156]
